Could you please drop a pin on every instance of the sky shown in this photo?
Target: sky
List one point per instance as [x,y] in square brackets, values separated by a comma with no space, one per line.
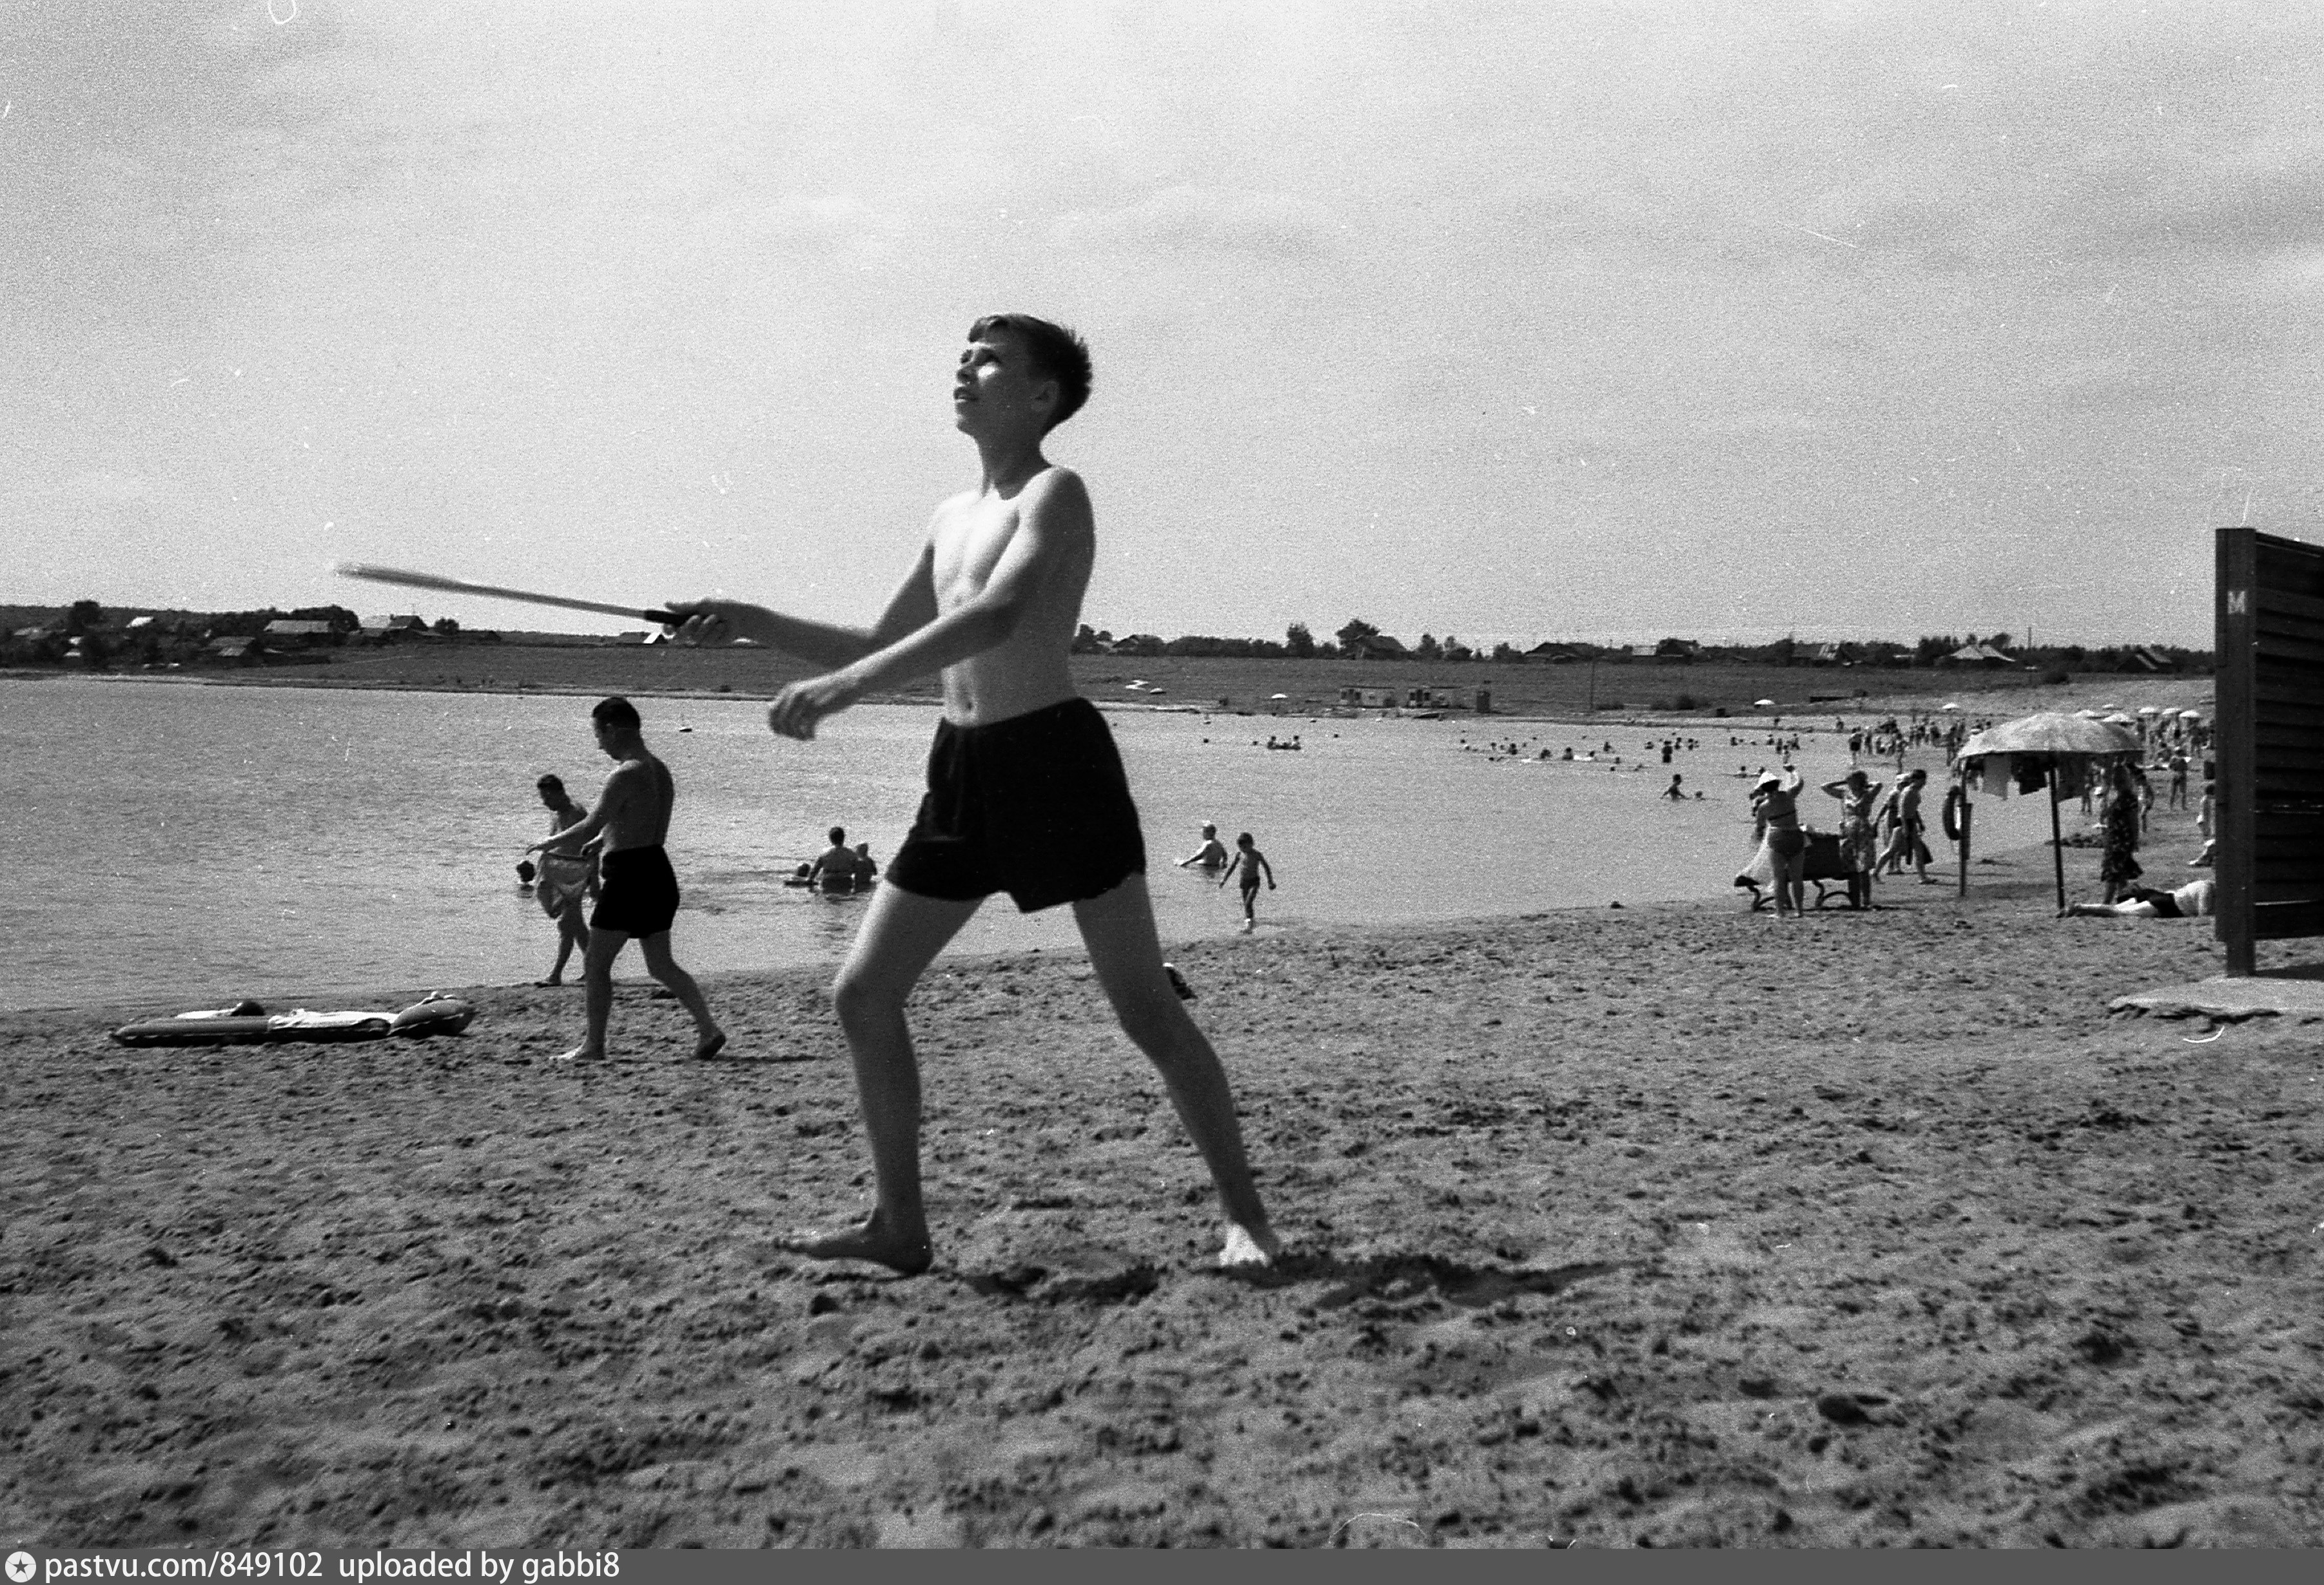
[1554,318]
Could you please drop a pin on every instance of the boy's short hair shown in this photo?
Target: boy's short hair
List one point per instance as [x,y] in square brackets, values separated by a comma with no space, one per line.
[837,836]
[550,783]
[616,712]
[1055,353]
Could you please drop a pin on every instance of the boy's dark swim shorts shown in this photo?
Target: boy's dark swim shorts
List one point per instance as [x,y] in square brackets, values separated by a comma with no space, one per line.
[637,892]
[1036,806]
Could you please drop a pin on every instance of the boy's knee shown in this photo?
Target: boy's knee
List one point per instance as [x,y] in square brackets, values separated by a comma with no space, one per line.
[1158,1024]
[855,995]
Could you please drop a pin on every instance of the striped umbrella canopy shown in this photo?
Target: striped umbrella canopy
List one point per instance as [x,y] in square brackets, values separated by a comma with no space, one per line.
[2051,733]
[2054,736]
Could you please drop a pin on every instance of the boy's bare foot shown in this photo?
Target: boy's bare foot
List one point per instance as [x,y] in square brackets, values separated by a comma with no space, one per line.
[1244,1248]
[710,1046]
[579,1053]
[872,1241]
[552,979]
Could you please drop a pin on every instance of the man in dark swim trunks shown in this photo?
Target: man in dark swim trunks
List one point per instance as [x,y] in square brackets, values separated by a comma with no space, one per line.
[1025,793]
[637,891]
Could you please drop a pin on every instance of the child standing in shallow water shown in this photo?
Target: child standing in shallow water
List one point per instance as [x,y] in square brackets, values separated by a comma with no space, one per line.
[1247,862]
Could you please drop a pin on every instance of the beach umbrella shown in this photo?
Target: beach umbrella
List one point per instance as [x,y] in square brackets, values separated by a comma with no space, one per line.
[2148,710]
[1761,703]
[2118,719]
[1950,704]
[2052,738]
[2088,714]
[2190,716]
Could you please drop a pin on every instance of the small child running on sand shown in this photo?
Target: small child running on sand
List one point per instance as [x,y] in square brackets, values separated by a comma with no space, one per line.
[1247,862]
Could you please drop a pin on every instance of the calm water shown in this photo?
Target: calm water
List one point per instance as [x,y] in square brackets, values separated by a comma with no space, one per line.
[187,845]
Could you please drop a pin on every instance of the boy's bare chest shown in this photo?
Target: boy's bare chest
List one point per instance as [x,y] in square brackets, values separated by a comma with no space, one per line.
[969,540]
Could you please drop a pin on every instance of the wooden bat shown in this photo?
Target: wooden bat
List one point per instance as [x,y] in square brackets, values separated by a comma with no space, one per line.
[429,580]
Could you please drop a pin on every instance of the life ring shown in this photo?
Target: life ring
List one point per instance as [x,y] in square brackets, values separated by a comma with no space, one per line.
[1956,806]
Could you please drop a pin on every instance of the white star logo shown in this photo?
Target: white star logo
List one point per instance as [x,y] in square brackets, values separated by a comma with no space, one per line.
[20,1567]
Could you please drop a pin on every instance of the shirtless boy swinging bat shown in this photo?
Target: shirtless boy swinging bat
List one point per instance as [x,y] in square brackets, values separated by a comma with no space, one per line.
[1026,792]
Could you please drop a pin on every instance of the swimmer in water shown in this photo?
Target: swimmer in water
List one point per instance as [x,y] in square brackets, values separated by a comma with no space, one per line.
[1211,855]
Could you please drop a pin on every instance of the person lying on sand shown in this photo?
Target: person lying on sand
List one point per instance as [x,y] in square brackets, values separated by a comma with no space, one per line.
[1026,790]
[637,891]
[2193,900]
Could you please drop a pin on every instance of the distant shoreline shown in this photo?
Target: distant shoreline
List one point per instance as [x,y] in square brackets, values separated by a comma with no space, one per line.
[1610,695]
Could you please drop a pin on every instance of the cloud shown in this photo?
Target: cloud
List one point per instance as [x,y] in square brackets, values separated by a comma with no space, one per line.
[837,223]
[1201,218]
[108,487]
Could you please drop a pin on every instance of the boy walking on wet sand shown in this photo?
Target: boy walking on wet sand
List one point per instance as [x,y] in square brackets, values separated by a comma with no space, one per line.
[1247,862]
[1026,792]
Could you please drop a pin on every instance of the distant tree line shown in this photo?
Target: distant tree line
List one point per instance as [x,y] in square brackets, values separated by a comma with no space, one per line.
[1359,640]
[84,634]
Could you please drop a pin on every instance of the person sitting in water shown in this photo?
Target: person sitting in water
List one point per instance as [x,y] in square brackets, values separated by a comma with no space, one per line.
[2195,900]
[866,871]
[834,868]
[1674,792]
[1211,855]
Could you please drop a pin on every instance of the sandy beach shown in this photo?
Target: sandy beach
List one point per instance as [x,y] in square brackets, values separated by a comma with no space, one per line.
[1657,1226]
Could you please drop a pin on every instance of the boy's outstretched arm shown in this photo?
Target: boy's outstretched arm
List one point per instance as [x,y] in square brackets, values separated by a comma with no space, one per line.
[711,622]
[1053,522]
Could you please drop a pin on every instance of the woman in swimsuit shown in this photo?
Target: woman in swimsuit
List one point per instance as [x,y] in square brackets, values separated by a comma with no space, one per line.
[1858,842]
[1775,813]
